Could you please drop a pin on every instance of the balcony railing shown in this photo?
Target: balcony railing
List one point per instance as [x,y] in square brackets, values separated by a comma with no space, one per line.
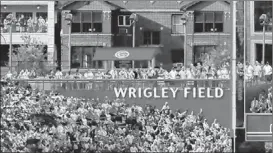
[109,85]
[17,28]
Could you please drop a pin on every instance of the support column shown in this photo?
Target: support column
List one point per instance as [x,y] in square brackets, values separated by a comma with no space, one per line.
[51,31]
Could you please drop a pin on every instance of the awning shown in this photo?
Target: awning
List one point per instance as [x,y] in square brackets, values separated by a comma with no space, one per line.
[117,54]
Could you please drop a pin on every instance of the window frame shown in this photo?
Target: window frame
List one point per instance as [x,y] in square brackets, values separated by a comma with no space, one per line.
[81,22]
[252,6]
[202,51]
[182,24]
[151,37]
[81,51]
[124,21]
[214,21]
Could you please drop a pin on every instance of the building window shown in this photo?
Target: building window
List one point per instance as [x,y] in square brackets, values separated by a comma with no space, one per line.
[82,57]
[208,22]
[141,64]
[87,22]
[151,38]
[262,7]
[124,20]
[123,64]
[202,53]
[177,24]
[268,53]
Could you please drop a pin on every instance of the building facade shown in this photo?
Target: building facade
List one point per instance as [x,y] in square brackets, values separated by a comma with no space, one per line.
[34,19]
[254,31]
[107,24]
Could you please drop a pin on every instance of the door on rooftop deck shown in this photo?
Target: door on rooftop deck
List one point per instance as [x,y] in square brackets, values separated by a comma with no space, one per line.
[4,55]
[177,56]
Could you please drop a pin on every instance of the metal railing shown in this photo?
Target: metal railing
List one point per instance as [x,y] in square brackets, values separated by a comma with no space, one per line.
[105,84]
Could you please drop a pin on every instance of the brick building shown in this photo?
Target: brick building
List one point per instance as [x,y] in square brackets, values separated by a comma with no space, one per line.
[31,11]
[254,31]
[102,28]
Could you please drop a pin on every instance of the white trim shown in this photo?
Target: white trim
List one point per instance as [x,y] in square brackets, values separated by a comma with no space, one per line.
[150,10]
[253,43]
[259,133]
[210,34]
[252,30]
[24,3]
[88,34]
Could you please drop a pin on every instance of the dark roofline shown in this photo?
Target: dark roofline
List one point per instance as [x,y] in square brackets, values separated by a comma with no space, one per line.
[106,2]
[185,7]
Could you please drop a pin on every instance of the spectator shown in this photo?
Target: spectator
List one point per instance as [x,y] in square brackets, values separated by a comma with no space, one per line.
[267,72]
[54,123]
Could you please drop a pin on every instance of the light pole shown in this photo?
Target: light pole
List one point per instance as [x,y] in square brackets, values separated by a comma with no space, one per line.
[263,22]
[184,19]
[9,18]
[134,19]
[69,18]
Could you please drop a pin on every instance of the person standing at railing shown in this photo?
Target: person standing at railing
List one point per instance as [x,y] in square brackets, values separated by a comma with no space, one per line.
[172,73]
[257,70]
[22,22]
[35,24]
[151,73]
[41,24]
[30,25]
[131,74]
[26,74]
[5,29]
[249,70]
[9,75]
[123,74]
[89,75]
[32,74]
[77,75]
[267,72]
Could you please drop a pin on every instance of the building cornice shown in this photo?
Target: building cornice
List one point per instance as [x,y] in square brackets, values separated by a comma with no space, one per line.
[24,2]
[150,10]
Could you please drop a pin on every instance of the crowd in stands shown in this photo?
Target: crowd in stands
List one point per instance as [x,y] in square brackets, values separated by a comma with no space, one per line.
[177,72]
[263,103]
[258,73]
[25,24]
[36,121]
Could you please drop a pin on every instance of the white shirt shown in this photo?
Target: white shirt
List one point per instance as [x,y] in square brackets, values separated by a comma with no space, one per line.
[257,69]
[267,70]
[249,70]
[172,74]
[182,74]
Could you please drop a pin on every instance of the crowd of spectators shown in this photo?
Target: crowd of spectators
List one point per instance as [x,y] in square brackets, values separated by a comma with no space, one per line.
[258,73]
[25,24]
[178,72]
[34,120]
[263,103]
